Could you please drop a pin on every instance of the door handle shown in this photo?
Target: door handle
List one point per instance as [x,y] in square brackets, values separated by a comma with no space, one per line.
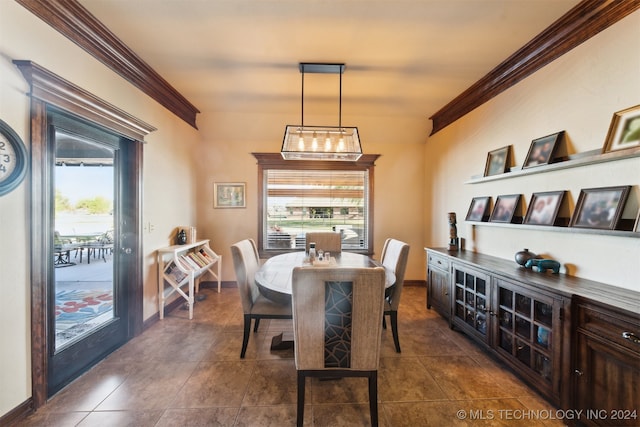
[126,251]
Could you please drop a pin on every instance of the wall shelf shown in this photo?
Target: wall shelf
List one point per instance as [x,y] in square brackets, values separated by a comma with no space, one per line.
[618,233]
[578,160]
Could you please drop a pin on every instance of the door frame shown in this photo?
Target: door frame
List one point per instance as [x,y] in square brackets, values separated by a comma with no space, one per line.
[46,88]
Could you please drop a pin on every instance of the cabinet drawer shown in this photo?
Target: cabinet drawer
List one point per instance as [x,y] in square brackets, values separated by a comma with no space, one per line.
[437,261]
[609,325]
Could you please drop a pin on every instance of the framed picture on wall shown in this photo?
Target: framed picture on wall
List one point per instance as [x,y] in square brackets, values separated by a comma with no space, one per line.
[496,161]
[542,150]
[543,208]
[505,208]
[600,207]
[624,130]
[229,195]
[479,209]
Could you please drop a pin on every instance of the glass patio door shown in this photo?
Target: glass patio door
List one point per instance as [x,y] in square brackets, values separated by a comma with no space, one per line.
[88,307]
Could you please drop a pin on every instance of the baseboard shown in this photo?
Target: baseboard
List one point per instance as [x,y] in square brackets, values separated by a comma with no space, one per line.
[18,413]
[419,283]
[210,284]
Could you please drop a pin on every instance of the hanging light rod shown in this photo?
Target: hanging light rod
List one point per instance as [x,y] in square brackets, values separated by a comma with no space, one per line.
[336,142]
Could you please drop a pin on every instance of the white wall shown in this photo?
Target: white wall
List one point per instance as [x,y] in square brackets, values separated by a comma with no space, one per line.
[169,179]
[578,93]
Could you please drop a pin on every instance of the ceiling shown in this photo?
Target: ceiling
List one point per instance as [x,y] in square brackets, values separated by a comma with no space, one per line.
[403,57]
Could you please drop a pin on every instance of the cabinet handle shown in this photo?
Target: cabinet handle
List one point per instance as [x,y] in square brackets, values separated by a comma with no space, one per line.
[630,336]
[578,372]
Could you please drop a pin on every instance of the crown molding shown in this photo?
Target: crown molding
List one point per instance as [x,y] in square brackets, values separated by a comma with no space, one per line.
[76,23]
[578,25]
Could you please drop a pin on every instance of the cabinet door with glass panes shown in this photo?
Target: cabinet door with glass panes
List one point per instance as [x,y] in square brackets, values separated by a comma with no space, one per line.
[471,301]
[528,332]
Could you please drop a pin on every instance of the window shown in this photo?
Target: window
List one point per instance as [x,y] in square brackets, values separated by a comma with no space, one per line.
[301,196]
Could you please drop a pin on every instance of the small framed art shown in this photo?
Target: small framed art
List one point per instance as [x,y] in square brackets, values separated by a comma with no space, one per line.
[600,207]
[624,130]
[479,209]
[229,195]
[542,150]
[496,161]
[505,208]
[543,208]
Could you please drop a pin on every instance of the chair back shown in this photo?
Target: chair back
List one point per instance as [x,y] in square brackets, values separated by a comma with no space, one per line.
[246,263]
[336,317]
[395,255]
[327,241]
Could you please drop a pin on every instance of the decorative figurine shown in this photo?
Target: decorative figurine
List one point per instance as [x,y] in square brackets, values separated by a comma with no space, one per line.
[544,265]
[453,232]
[182,237]
[523,256]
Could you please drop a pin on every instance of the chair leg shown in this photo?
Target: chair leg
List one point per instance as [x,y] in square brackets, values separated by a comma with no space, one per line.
[384,322]
[394,329]
[245,336]
[256,324]
[373,398]
[300,410]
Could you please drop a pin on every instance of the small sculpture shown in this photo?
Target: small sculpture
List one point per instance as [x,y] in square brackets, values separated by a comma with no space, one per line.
[453,232]
[544,265]
[182,237]
[523,256]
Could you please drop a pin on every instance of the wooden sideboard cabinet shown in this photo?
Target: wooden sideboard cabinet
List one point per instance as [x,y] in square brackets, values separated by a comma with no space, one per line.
[575,340]
[438,278]
[607,364]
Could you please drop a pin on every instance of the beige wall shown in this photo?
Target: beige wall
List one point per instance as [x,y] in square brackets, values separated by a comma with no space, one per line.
[169,179]
[578,93]
[225,156]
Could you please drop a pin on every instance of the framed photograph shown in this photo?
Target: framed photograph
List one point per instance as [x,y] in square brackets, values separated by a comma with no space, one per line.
[542,150]
[505,208]
[600,207]
[229,195]
[496,161]
[479,209]
[624,131]
[543,208]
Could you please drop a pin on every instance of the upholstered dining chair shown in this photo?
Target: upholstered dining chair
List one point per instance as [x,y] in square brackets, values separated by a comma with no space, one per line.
[394,257]
[337,329]
[328,241]
[254,305]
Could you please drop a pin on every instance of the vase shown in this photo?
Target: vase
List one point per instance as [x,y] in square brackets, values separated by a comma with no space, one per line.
[523,256]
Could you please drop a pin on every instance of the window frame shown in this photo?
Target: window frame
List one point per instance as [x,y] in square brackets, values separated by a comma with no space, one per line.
[268,161]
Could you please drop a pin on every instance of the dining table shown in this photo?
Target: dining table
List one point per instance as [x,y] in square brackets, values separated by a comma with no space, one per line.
[275,275]
[274,278]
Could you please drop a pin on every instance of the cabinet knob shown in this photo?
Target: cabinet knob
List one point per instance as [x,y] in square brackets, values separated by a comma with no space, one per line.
[630,336]
[578,372]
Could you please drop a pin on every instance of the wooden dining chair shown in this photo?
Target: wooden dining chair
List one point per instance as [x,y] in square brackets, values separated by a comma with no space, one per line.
[327,241]
[337,329]
[254,305]
[395,255]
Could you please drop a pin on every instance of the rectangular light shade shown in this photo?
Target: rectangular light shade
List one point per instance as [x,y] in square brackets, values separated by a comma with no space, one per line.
[321,143]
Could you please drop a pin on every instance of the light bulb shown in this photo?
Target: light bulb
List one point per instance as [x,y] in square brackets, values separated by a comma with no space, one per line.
[314,143]
[301,143]
[327,143]
[341,143]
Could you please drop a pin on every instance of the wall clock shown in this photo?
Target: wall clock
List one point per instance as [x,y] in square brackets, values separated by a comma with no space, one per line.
[13,159]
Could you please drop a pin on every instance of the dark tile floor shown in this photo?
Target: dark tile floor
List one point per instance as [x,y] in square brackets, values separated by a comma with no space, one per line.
[188,373]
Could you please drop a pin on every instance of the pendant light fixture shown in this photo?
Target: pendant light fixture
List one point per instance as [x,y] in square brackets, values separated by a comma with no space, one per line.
[321,142]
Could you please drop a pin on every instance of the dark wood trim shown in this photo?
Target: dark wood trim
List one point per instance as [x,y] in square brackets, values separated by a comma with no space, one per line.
[17,414]
[48,89]
[54,90]
[578,25]
[72,20]
[275,161]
